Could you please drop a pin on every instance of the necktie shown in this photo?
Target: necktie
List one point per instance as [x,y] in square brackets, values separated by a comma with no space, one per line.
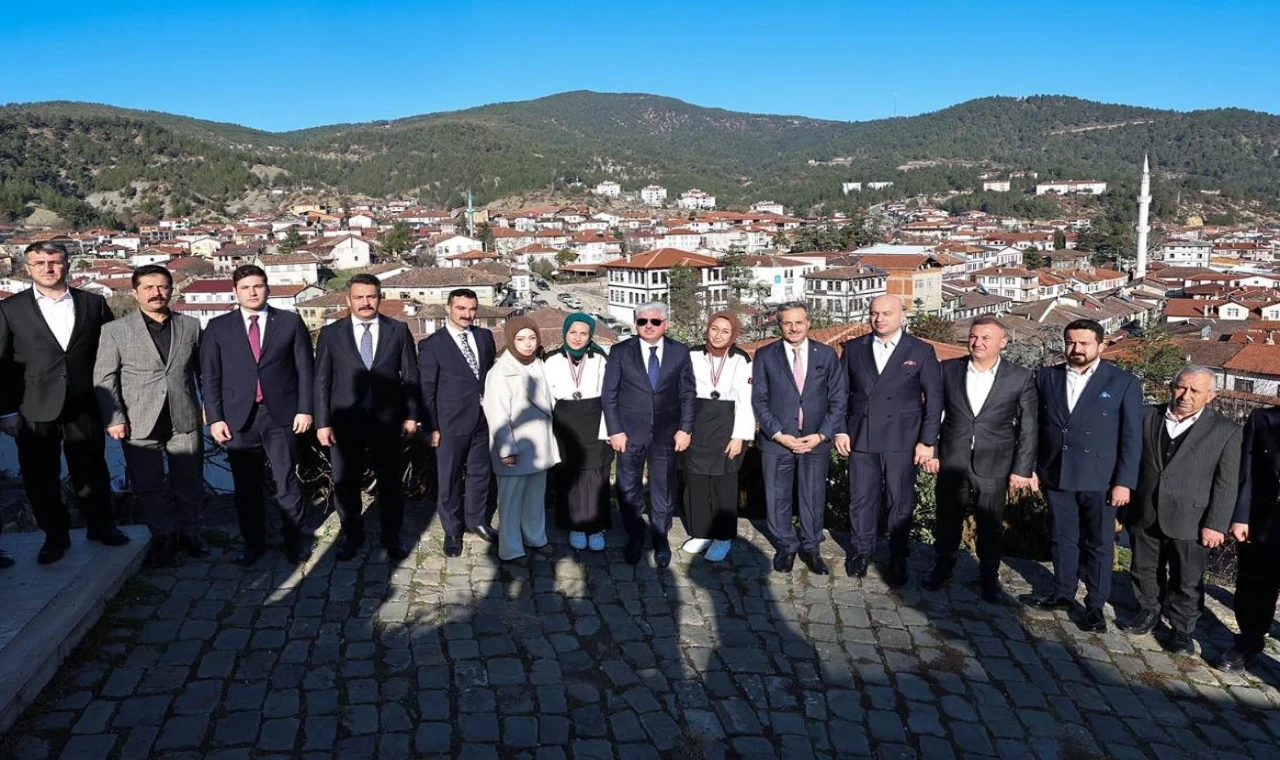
[653,367]
[470,355]
[255,348]
[797,372]
[366,346]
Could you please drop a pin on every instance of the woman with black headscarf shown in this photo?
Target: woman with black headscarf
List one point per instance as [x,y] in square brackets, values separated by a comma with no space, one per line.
[723,425]
[576,372]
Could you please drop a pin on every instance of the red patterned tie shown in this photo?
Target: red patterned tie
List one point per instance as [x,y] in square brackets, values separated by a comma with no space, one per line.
[255,348]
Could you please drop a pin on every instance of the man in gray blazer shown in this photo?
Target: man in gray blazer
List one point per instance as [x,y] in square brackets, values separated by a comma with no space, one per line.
[146,375]
[987,445]
[1187,487]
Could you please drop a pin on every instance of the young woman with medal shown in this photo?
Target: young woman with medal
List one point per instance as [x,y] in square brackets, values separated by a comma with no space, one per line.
[575,372]
[724,423]
[518,407]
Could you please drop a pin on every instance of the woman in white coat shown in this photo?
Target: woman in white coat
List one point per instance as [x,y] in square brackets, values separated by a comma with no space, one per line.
[518,407]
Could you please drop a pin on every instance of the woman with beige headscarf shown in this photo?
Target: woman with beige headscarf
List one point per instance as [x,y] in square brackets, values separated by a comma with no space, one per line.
[518,406]
[723,424]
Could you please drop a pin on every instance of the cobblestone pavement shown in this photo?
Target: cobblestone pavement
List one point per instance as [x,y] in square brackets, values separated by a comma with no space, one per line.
[585,657]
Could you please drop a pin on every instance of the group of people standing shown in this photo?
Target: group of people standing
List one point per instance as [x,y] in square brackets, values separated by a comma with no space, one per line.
[1183,476]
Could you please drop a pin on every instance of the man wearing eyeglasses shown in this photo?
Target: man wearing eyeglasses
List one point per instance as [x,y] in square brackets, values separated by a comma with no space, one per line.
[48,346]
[648,400]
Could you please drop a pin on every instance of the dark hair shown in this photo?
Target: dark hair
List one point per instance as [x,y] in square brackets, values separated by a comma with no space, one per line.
[47,247]
[147,271]
[987,319]
[1084,324]
[462,293]
[791,305]
[247,270]
[365,278]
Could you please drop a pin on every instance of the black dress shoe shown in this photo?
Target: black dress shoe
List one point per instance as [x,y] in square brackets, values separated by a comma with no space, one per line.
[936,579]
[635,548]
[348,548]
[814,562]
[107,535]
[1093,622]
[53,550]
[162,550]
[993,594]
[484,532]
[896,574]
[453,546]
[662,557]
[855,566]
[1180,643]
[784,561]
[396,550]
[1049,602]
[249,557]
[1234,661]
[297,552]
[194,545]
[1140,624]
[5,560]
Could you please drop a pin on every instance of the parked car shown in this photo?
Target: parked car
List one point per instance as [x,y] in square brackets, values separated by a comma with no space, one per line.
[573,303]
[564,296]
[542,285]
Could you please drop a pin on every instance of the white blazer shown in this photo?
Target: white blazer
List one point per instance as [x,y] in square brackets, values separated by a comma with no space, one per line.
[517,404]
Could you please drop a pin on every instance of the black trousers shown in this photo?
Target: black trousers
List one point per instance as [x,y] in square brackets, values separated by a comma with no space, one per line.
[261,435]
[359,443]
[582,499]
[1257,588]
[78,435]
[1083,525]
[661,459]
[1180,588]
[873,476]
[711,505]
[957,492]
[795,485]
[470,450]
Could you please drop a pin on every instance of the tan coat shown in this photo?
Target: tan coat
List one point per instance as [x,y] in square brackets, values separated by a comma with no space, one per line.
[517,405]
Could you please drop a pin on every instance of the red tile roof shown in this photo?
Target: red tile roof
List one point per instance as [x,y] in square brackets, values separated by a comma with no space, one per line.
[663,258]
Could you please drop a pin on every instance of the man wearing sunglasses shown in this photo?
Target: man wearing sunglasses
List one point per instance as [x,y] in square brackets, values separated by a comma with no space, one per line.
[648,400]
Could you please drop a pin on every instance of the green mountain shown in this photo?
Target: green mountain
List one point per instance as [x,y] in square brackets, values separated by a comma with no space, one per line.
[59,153]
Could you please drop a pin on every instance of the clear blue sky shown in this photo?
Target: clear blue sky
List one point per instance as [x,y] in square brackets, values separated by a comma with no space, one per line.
[287,65]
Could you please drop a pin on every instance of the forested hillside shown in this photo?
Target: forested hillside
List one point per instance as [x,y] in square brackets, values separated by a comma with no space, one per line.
[58,154]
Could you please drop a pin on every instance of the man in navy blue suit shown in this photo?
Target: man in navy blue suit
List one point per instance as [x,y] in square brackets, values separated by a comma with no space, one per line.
[452,366]
[895,412]
[798,394]
[1090,451]
[648,401]
[256,368]
[366,399]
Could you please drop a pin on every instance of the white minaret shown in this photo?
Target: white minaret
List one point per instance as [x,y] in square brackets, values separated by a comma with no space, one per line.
[1144,210]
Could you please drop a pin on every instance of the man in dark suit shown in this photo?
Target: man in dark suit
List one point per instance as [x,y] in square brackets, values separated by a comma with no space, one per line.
[895,409]
[48,346]
[1256,525]
[366,399]
[648,402]
[798,395]
[257,371]
[1187,488]
[1089,454]
[146,376]
[986,446]
[452,366]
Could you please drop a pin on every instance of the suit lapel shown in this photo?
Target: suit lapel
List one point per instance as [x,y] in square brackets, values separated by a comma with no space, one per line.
[1152,437]
[39,320]
[242,332]
[959,386]
[273,326]
[142,337]
[1096,382]
[384,340]
[81,304]
[1191,439]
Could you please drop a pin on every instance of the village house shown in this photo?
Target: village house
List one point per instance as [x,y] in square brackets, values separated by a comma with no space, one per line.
[432,285]
[1068,186]
[1014,283]
[300,268]
[845,293]
[696,200]
[639,279]
[342,252]
[777,279]
[609,189]
[915,280]
[653,195]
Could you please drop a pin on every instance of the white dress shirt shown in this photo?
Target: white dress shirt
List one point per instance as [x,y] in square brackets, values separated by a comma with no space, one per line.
[59,314]
[262,323]
[881,350]
[644,350]
[461,335]
[1076,381]
[357,329]
[1175,427]
[732,384]
[977,385]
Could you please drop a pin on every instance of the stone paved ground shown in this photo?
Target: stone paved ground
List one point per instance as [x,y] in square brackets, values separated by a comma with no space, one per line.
[586,657]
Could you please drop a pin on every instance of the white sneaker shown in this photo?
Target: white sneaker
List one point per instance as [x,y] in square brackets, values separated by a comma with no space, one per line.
[695,545]
[595,542]
[578,539]
[718,550]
